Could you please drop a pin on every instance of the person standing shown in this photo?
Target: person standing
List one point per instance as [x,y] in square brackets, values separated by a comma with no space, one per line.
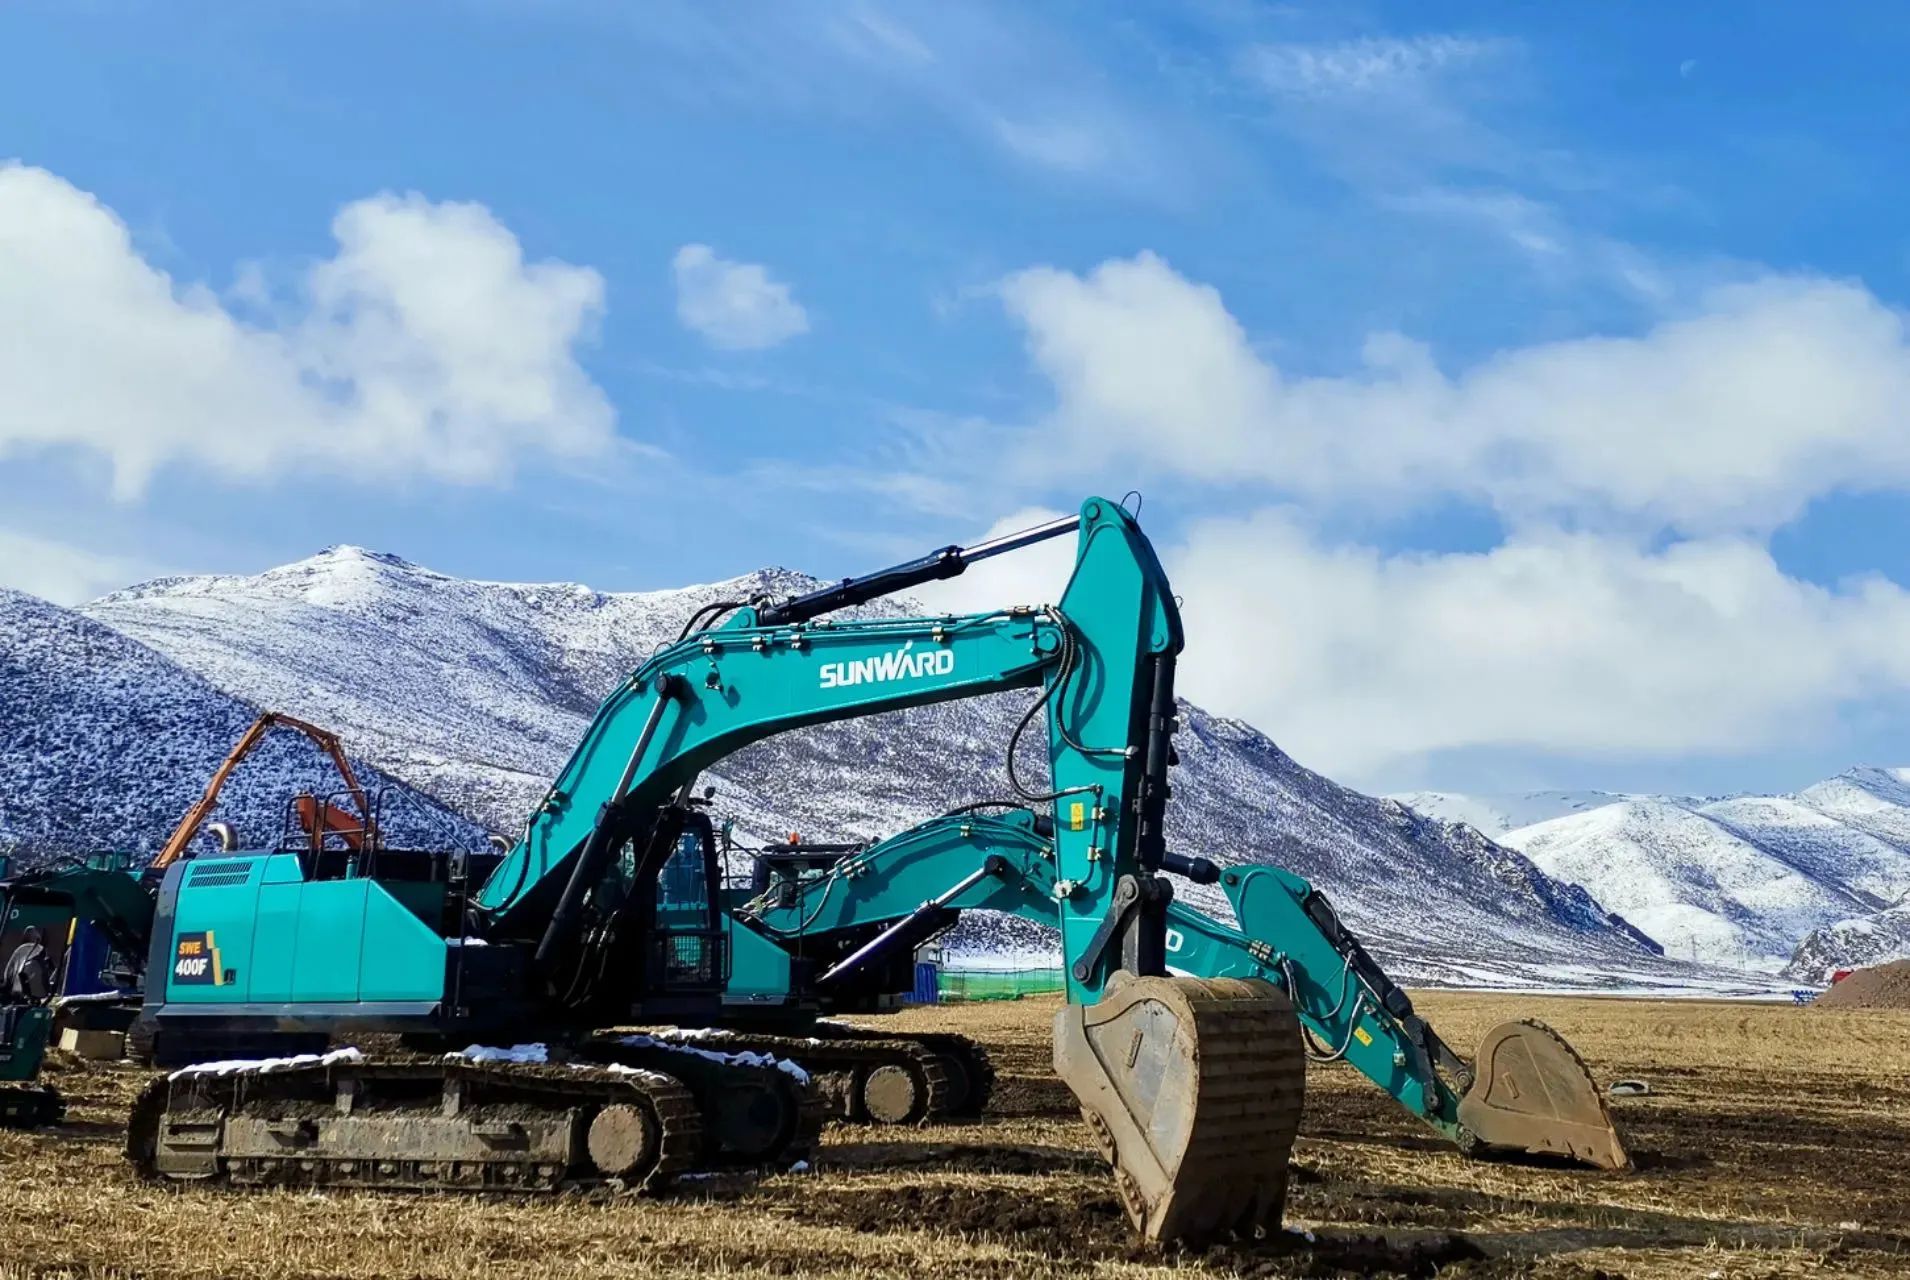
[29,973]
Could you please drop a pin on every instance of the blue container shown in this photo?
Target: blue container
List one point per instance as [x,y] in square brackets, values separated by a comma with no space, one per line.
[928,983]
[84,960]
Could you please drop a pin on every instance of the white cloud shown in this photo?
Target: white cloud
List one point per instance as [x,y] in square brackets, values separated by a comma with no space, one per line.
[1362,663]
[1394,114]
[736,305]
[63,574]
[1003,77]
[1570,260]
[1367,67]
[866,33]
[1444,128]
[1357,661]
[425,343]
[1732,417]
[1634,608]
[1527,224]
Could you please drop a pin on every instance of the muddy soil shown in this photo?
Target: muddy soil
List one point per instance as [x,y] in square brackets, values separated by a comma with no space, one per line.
[1767,1148]
[1887,986]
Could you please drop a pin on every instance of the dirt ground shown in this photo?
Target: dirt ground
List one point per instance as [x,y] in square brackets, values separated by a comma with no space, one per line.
[1774,1144]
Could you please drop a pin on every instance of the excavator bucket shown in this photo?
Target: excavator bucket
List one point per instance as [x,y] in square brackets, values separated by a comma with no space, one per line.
[1531,1092]
[1192,1087]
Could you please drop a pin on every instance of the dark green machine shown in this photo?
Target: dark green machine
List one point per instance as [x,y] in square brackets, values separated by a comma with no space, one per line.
[40,907]
[26,1101]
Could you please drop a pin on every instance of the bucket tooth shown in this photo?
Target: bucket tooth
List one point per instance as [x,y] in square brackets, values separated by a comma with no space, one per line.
[1193,1090]
[1531,1092]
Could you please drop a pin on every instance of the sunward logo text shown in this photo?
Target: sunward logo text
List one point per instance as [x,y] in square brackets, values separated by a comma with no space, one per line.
[901,664]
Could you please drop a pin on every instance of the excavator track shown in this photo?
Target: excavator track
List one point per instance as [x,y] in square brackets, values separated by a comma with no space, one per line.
[456,1124]
[30,1106]
[869,1077]
[416,1125]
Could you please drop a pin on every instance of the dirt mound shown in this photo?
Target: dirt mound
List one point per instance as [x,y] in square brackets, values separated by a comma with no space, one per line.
[1887,986]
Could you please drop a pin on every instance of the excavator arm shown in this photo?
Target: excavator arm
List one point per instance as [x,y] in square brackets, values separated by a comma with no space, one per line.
[1533,1095]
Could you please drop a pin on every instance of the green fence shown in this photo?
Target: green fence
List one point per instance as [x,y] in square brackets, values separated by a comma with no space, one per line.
[998,984]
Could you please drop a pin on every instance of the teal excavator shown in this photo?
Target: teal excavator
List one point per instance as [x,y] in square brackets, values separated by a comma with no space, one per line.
[1179,1035]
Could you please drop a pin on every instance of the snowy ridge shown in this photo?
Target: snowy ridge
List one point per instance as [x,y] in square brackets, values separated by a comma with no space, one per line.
[1497,813]
[1734,880]
[104,744]
[476,692]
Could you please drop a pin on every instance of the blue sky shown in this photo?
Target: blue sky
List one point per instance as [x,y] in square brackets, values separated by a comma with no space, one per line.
[1516,390]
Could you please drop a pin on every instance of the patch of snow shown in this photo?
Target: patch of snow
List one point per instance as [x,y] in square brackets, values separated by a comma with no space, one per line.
[734,1059]
[494,1053]
[1732,883]
[1856,943]
[231,1066]
[1496,813]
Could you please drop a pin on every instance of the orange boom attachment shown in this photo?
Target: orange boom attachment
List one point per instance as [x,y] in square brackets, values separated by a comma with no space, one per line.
[317,818]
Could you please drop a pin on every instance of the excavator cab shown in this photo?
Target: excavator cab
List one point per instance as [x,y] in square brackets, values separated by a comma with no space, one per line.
[687,930]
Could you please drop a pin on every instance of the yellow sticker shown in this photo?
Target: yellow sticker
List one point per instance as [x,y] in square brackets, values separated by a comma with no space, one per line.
[1077,816]
[1359,1034]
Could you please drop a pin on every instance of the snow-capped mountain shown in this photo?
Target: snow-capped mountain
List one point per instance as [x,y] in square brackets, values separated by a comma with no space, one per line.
[476,692]
[1685,880]
[1737,880]
[104,744]
[1502,812]
[1871,800]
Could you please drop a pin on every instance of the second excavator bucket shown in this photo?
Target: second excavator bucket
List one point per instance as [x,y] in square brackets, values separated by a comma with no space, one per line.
[1531,1092]
[1193,1089]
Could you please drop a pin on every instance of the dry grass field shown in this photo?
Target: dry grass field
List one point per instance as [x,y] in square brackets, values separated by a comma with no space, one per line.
[1775,1144]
